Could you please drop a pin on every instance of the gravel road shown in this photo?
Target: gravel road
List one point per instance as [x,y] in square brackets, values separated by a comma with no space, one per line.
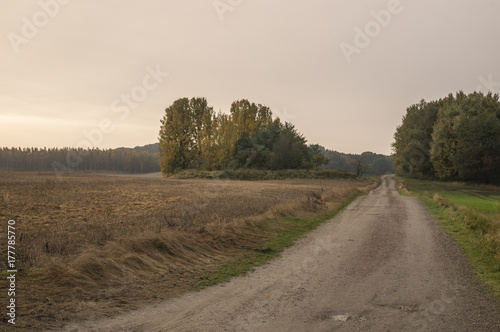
[382,264]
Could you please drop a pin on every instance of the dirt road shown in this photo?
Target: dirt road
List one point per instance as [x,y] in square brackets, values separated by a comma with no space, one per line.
[383,264]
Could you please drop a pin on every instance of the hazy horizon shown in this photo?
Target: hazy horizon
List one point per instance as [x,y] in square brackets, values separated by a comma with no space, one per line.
[343,72]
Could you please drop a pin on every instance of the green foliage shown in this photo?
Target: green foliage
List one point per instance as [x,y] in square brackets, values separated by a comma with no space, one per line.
[317,155]
[273,146]
[413,138]
[290,150]
[192,136]
[287,153]
[255,151]
[466,139]
[455,138]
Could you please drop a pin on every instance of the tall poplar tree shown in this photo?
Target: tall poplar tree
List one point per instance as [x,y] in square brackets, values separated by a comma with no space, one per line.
[176,138]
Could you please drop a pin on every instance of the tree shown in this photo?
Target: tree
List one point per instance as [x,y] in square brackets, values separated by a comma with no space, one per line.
[248,117]
[443,145]
[290,150]
[360,166]
[286,153]
[177,139]
[413,138]
[466,139]
[255,151]
[191,135]
[224,140]
[479,146]
[455,138]
[379,164]
[242,150]
[204,131]
[317,153]
[243,115]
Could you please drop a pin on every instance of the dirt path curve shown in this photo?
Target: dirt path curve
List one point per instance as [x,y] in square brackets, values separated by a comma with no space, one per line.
[383,264]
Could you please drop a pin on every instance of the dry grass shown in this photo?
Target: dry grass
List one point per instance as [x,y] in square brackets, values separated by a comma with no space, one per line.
[97,245]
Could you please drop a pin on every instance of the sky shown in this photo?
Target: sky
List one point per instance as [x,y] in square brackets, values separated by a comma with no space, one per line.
[101,73]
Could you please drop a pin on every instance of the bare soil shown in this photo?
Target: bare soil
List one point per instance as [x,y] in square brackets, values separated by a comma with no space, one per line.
[383,264]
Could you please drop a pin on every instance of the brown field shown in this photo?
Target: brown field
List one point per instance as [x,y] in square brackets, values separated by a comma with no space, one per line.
[95,245]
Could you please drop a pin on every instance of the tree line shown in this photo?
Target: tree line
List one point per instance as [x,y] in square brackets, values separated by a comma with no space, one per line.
[78,159]
[453,138]
[367,163]
[193,136]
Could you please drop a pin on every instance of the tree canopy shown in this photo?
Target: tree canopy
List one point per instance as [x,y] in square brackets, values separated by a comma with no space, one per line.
[454,138]
[192,135]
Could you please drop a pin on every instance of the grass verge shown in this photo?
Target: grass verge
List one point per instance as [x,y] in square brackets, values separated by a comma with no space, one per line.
[474,226]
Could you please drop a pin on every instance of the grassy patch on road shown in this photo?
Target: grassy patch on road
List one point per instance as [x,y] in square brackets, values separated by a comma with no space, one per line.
[470,215]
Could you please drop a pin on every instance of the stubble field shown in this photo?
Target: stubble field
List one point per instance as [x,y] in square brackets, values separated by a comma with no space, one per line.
[96,245]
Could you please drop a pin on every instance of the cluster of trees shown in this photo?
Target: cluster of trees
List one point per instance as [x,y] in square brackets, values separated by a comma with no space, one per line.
[453,138]
[367,163]
[193,136]
[83,160]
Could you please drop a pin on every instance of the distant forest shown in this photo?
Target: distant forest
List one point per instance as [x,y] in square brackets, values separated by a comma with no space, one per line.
[137,160]
[373,164]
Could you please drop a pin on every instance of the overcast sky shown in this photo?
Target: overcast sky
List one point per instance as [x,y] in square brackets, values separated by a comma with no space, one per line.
[101,73]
